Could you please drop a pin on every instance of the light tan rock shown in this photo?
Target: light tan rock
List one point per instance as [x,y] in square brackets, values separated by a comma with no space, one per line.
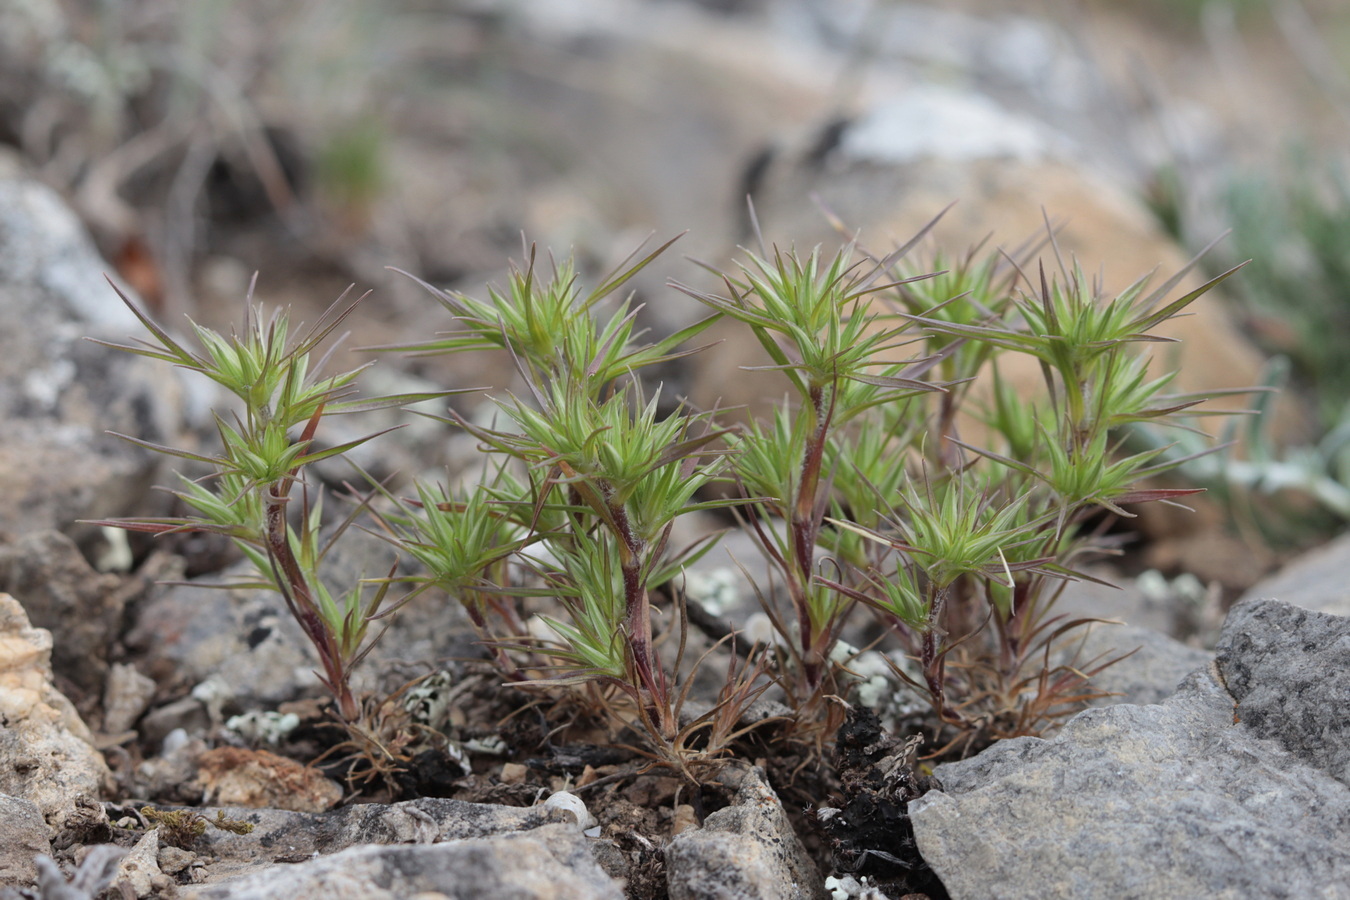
[139,874]
[47,753]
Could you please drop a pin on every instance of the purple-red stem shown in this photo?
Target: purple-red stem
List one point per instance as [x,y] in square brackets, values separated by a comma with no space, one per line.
[935,663]
[501,657]
[637,607]
[303,606]
[804,528]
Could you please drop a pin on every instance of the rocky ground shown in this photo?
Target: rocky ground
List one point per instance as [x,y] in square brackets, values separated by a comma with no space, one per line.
[1217,766]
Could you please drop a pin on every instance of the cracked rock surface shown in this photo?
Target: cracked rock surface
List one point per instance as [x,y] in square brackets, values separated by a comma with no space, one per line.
[1208,794]
[551,862]
[1288,671]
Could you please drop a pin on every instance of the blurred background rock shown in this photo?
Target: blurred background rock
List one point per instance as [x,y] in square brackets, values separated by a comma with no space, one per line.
[319,143]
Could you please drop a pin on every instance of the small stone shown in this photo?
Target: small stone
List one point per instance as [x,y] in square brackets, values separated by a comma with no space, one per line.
[173,860]
[139,874]
[685,819]
[125,697]
[746,850]
[235,776]
[513,773]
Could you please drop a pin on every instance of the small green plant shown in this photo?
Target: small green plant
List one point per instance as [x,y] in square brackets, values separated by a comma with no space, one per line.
[811,316]
[980,543]
[607,476]
[250,492]
[865,488]
[939,536]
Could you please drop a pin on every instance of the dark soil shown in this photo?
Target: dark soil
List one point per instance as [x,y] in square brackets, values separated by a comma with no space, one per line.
[869,831]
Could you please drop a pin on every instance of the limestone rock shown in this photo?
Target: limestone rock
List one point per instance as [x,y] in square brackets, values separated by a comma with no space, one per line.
[1288,670]
[126,695]
[548,863]
[139,874]
[23,835]
[1180,799]
[47,754]
[295,836]
[747,850]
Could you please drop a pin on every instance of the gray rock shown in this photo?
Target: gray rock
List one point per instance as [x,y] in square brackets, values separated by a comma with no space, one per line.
[548,863]
[47,754]
[1172,800]
[127,694]
[1288,670]
[1319,580]
[1150,674]
[243,640]
[58,392]
[23,835]
[747,850]
[293,836]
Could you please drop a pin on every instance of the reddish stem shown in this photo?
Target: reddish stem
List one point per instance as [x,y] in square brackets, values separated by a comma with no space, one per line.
[303,607]
[637,607]
[805,527]
[935,663]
